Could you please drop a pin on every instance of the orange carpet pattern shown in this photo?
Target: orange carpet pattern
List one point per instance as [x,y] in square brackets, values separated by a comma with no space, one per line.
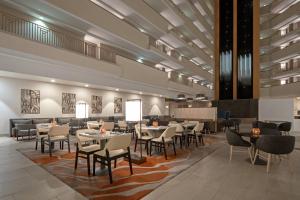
[146,177]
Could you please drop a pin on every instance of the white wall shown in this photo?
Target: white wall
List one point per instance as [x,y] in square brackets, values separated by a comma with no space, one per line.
[51,97]
[280,109]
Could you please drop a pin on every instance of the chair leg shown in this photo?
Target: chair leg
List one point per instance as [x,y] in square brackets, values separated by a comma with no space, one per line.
[180,141]
[76,157]
[196,140]
[115,163]
[147,148]
[36,143]
[250,155]
[109,171]
[174,148]
[136,141]
[255,156]
[150,148]
[50,147]
[42,145]
[88,163]
[269,162]
[94,165]
[231,149]
[129,160]
[164,147]
[69,150]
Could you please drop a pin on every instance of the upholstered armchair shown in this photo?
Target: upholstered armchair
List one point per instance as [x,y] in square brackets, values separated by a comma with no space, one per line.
[236,140]
[274,145]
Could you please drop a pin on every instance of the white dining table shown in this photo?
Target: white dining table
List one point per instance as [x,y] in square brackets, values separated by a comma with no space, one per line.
[100,137]
[154,131]
[154,128]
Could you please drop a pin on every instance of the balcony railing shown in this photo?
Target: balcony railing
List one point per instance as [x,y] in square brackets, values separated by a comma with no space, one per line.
[178,78]
[35,32]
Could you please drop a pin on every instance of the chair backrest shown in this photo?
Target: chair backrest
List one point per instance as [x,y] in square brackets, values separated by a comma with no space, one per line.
[199,127]
[275,144]
[286,126]
[20,127]
[179,128]
[122,124]
[109,126]
[92,124]
[169,132]
[82,139]
[137,129]
[118,142]
[269,131]
[59,131]
[172,123]
[233,138]
[262,125]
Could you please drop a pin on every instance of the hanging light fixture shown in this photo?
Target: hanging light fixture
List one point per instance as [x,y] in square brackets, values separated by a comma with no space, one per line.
[200,96]
[181,96]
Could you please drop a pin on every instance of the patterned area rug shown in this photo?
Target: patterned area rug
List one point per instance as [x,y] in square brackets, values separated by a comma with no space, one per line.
[146,177]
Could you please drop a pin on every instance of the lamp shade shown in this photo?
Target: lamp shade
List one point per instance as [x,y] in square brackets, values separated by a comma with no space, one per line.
[133,110]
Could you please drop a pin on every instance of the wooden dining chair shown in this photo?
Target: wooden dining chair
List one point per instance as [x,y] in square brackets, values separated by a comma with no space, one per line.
[196,134]
[85,147]
[167,137]
[143,137]
[117,147]
[57,134]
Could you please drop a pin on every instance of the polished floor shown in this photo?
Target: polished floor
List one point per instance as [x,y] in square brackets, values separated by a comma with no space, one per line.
[212,178]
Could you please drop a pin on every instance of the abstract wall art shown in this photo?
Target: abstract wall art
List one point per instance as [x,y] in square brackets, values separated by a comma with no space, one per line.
[30,101]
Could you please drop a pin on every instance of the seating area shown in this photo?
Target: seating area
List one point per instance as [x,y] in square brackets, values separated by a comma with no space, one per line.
[264,140]
[106,141]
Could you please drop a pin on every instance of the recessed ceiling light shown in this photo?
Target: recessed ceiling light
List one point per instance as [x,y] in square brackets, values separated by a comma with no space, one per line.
[117,89]
[53,81]
[86,85]
[140,93]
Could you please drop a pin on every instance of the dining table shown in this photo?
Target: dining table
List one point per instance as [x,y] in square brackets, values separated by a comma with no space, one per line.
[102,138]
[155,131]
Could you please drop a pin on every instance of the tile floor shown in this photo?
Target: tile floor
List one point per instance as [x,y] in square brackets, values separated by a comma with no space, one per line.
[212,178]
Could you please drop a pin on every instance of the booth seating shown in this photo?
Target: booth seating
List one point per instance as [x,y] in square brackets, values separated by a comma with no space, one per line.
[22,130]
